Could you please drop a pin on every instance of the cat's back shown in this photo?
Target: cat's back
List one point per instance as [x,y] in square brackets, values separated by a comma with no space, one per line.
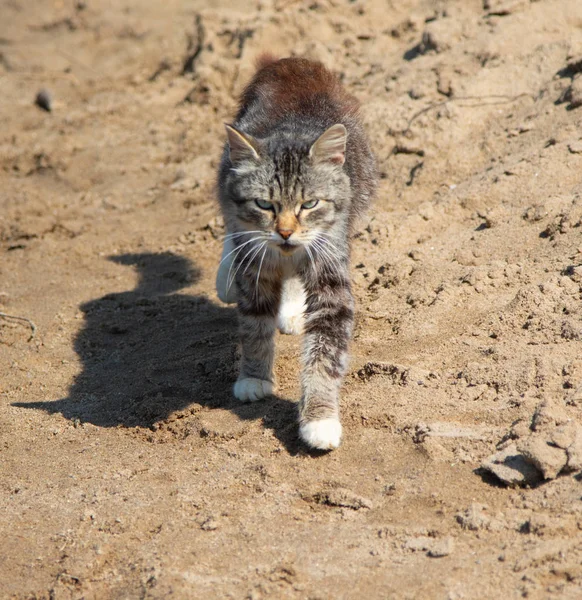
[295,87]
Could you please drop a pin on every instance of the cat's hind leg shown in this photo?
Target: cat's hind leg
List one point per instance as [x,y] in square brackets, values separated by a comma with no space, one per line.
[226,289]
[291,316]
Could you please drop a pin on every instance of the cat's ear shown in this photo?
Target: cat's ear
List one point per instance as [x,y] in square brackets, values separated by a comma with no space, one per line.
[242,146]
[330,146]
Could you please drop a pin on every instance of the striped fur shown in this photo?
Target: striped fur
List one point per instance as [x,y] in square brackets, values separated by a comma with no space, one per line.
[296,172]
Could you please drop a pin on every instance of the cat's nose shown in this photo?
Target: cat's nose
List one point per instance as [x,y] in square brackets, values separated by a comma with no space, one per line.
[285,233]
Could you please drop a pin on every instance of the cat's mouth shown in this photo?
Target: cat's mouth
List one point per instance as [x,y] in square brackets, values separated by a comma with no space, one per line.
[287,248]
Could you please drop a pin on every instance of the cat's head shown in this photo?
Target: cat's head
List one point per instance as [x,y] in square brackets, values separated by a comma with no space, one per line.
[290,192]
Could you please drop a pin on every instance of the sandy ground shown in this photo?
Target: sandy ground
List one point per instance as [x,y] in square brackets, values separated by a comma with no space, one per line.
[127,470]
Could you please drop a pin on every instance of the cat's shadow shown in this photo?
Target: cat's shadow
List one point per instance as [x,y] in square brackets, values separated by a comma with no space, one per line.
[149,352]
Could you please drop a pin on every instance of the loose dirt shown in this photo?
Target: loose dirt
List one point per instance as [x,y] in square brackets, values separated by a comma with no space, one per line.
[127,470]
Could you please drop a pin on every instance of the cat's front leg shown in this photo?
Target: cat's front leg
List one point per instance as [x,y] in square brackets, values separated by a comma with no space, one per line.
[257,323]
[328,327]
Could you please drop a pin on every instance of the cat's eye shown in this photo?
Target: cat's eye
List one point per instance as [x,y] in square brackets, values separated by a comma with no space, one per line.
[264,204]
[310,204]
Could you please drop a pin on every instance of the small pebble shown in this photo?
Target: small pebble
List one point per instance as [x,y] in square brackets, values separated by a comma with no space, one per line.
[43,100]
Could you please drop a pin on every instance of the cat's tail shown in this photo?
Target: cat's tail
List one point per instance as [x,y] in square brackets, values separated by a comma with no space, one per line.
[264,60]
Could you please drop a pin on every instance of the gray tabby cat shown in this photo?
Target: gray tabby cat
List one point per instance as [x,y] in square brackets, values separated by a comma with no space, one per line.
[296,172]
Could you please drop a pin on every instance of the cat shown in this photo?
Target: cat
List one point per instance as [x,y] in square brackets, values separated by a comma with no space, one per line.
[295,174]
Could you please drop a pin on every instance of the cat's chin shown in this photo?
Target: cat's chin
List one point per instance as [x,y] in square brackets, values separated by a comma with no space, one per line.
[288,249]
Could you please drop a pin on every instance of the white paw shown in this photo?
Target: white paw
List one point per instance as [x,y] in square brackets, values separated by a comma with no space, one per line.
[290,324]
[251,390]
[324,434]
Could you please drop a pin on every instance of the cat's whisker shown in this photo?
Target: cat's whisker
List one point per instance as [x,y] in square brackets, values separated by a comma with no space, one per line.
[327,257]
[260,247]
[254,249]
[327,263]
[325,233]
[325,243]
[321,256]
[229,278]
[328,240]
[230,266]
[259,271]
[238,234]
[233,260]
[311,261]
[331,262]
[329,245]
[239,248]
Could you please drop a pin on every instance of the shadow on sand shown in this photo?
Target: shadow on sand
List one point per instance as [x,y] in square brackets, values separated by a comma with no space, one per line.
[151,351]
